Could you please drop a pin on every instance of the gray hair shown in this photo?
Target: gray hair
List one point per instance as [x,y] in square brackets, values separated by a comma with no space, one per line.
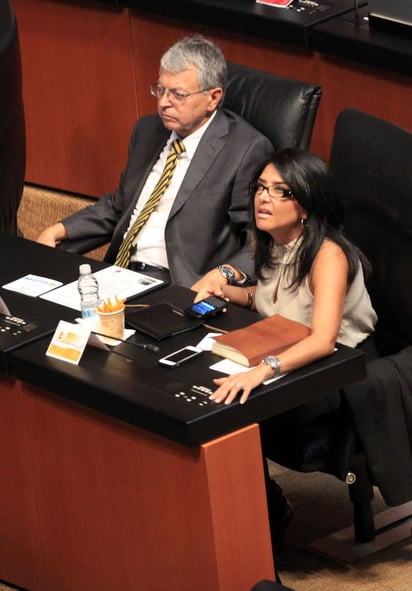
[201,53]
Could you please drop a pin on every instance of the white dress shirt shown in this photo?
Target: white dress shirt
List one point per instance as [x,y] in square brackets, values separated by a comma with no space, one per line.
[150,241]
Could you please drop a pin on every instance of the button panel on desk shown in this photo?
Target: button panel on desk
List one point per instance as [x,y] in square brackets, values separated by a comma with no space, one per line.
[198,395]
[308,7]
[12,325]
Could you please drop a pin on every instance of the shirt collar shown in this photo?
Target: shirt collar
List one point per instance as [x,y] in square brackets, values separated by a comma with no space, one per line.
[192,140]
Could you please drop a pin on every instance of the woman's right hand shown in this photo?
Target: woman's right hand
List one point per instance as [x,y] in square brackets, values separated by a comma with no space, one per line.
[209,288]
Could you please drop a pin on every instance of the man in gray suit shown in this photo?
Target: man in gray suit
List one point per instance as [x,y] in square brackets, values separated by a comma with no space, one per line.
[199,230]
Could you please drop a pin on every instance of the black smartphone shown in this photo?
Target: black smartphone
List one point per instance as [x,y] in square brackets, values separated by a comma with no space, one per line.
[206,308]
[181,356]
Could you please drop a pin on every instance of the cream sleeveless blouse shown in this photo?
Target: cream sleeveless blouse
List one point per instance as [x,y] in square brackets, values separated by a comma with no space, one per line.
[359,318]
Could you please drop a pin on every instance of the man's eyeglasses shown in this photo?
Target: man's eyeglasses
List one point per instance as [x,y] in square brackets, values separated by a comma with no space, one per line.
[158,91]
[276,192]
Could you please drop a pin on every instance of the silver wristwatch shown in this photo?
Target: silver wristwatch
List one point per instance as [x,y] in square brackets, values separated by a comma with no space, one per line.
[228,273]
[273,362]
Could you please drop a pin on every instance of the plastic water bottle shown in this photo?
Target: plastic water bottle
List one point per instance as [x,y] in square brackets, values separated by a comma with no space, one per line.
[88,290]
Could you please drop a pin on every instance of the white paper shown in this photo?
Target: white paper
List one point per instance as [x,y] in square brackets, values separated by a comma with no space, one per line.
[113,281]
[32,285]
[68,342]
[93,323]
[206,343]
[230,367]
[276,3]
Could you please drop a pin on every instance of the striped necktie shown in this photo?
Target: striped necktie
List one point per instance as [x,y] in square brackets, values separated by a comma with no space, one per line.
[123,256]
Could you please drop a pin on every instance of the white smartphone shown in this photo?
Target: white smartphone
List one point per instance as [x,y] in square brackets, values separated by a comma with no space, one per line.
[181,356]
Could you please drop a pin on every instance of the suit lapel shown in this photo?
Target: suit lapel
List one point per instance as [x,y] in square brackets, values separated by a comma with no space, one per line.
[151,153]
[207,151]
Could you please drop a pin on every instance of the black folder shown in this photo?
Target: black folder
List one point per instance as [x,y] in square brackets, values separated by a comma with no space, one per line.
[161,320]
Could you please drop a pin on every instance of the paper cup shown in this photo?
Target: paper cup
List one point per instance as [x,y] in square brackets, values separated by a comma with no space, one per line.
[112,323]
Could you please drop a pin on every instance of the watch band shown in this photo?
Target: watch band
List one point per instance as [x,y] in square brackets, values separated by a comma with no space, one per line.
[228,273]
[273,362]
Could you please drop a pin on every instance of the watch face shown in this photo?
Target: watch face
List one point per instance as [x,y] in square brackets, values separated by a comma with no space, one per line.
[227,273]
[273,362]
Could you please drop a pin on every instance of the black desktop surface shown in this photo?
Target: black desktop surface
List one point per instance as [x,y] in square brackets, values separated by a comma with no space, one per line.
[41,319]
[141,392]
[290,25]
[128,383]
[357,41]
[21,257]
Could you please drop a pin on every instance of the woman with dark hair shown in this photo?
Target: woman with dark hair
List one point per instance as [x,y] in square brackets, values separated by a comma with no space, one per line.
[309,272]
[305,267]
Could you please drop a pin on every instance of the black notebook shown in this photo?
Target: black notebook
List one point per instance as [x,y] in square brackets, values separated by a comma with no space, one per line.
[161,320]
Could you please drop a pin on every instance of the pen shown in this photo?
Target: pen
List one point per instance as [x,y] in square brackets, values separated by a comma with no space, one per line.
[145,346]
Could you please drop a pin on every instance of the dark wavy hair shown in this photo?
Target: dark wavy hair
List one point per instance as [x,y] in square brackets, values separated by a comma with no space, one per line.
[315,190]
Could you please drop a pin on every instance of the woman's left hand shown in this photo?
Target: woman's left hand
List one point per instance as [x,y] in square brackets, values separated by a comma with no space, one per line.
[208,290]
[240,384]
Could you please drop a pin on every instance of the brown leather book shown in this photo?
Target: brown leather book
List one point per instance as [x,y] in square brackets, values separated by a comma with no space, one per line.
[270,336]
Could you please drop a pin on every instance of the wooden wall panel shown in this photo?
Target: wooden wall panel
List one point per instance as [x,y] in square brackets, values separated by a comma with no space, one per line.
[87,68]
[78,85]
[348,85]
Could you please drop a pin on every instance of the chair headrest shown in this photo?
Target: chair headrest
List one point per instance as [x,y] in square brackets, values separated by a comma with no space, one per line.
[283,109]
[371,160]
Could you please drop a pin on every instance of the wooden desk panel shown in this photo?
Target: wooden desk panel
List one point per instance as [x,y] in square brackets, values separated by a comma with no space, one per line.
[119,508]
[20,553]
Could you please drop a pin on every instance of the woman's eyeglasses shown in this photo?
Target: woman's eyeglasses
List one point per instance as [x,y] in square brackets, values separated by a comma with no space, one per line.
[275,191]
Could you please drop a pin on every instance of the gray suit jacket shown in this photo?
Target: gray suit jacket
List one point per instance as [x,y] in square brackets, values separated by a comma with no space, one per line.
[209,221]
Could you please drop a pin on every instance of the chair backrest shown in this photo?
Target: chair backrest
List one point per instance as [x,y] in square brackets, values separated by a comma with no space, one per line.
[372,162]
[283,109]
[12,127]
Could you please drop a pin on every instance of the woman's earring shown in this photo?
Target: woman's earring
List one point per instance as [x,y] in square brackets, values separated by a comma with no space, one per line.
[303,223]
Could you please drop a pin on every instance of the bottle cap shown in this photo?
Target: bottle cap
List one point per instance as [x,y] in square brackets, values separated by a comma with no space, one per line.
[85,269]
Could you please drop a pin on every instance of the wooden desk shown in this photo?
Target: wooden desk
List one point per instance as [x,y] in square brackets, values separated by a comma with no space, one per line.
[110,481]
[88,502]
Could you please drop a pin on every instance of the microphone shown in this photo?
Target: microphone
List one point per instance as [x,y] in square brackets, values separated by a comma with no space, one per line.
[357,15]
[144,346]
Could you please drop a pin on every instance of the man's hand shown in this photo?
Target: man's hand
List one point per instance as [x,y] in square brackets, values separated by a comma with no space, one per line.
[52,235]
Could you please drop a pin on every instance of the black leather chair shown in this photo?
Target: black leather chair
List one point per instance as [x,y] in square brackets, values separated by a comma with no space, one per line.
[12,127]
[368,441]
[372,162]
[284,110]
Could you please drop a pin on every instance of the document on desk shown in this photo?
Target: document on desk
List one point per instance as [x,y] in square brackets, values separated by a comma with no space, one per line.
[113,281]
[277,3]
[32,285]
[68,342]
[230,367]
